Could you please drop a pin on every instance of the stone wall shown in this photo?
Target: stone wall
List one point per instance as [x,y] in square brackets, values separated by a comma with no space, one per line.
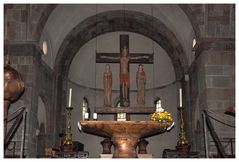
[212,87]
[24,22]
[220,85]
[15,22]
[39,81]
[197,103]
[211,83]
[212,75]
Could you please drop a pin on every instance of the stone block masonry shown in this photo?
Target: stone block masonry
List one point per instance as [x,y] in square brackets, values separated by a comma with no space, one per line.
[39,82]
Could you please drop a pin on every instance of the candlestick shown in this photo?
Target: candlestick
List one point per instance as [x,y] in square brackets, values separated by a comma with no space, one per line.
[180,98]
[70,93]
[68,144]
[182,144]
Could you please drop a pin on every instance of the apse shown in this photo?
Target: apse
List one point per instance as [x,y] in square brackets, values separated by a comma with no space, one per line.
[120,80]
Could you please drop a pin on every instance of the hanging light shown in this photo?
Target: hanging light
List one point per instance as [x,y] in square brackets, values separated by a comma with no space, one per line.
[44,47]
[194,42]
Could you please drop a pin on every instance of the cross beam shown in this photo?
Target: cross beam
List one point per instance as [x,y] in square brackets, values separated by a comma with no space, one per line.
[148,60]
[139,58]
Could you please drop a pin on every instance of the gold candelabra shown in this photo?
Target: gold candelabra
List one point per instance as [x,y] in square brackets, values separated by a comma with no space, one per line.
[68,144]
[182,144]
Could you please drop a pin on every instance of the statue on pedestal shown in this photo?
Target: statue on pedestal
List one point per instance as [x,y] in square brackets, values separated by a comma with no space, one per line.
[140,82]
[124,60]
[107,86]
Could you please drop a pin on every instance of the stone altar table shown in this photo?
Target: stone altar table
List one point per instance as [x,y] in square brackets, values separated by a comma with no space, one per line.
[124,134]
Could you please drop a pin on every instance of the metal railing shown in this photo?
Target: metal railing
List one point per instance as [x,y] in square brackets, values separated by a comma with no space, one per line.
[19,115]
[208,124]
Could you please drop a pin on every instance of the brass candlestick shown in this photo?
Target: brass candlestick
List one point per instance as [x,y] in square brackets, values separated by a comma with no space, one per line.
[182,144]
[68,144]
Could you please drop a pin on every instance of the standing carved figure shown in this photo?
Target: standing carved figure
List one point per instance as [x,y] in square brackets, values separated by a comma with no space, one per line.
[124,75]
[107,86]
[140,82]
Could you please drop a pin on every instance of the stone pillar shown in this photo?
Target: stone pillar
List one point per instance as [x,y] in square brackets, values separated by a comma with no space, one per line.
[125,147]
[39,81]
[212,82]
[187,115]
[106,144]
[142,146]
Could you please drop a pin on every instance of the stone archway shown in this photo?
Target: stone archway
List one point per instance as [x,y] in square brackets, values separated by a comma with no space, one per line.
[112,21]
[191,11]
[44,11]
[120,20]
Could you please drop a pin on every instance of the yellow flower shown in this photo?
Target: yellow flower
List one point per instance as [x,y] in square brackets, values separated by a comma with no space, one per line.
[161,116]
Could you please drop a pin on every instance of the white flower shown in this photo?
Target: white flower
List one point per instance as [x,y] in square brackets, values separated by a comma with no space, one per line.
[170,127]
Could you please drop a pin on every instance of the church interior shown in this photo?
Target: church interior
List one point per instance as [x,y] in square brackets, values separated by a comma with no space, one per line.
[61,101]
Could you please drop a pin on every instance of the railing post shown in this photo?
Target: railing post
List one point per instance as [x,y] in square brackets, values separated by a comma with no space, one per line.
[14,148]
[214,136]
[23,134]
[205,135]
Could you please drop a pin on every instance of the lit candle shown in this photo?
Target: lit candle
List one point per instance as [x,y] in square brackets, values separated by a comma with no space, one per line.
[70,93]
[86,115]
[180,98]
[95,116]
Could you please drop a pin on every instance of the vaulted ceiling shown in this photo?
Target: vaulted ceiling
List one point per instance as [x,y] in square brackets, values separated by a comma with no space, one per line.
[69,27]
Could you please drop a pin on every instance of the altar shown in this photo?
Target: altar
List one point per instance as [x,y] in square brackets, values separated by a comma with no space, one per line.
[125,135]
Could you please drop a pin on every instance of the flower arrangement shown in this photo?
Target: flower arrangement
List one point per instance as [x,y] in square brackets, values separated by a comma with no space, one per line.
[162,116]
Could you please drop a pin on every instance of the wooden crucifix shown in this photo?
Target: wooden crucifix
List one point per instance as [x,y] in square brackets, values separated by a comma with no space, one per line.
[124,58]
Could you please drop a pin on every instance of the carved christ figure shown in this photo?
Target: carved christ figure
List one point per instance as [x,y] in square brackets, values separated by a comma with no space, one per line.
[107,86]
[124,72]
[140,82]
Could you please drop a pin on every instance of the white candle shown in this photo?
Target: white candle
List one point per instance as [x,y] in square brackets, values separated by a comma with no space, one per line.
[158,106]
[70,93]
[95,116]
[180,98]
[159,103]
[86,115]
